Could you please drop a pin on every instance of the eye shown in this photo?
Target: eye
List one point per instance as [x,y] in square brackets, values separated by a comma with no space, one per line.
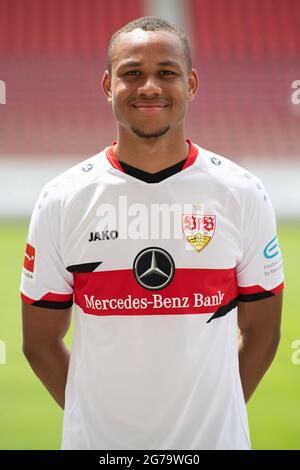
[167,72]
[132,73]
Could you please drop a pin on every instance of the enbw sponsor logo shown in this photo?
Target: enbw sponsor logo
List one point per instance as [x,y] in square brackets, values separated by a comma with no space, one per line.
[271,249]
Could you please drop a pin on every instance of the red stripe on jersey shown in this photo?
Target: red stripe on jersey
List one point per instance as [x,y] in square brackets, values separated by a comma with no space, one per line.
[50,296]
[26,299]
[191,291]
[57,297]
[258,289]
[113,159]
[278,289]
[193,153]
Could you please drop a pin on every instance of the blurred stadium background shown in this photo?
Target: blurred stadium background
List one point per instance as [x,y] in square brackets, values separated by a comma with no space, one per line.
[53,114]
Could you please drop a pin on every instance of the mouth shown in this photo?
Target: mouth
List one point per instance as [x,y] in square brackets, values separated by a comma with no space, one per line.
[151,107]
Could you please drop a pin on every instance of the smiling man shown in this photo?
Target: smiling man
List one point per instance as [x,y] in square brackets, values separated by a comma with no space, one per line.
[150,81]
[165,249]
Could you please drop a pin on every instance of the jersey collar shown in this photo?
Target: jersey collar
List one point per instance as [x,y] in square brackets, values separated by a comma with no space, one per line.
[113,159]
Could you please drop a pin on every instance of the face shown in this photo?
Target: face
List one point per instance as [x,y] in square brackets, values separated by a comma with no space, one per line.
[150,86]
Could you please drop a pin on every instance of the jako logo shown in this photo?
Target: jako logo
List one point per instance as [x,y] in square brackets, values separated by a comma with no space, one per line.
[104,235]
[271,249]
[2,92]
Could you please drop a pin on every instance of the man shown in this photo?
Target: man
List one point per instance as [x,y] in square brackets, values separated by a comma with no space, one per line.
[165,248]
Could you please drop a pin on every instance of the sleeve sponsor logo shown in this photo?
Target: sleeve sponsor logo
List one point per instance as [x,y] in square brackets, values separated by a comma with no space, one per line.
[29,260]
[271,249]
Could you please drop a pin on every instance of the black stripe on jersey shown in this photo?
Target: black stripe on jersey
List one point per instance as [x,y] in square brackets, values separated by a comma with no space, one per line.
[224,309]
[83,268]
[53,304]
[152,177]
[253,297]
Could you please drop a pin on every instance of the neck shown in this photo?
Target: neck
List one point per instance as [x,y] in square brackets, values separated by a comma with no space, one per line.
[151,155]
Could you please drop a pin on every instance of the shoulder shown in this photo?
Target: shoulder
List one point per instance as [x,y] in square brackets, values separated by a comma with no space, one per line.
[240,182]
[61,190]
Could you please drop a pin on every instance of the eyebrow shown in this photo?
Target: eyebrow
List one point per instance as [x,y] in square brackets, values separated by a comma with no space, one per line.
[166,63]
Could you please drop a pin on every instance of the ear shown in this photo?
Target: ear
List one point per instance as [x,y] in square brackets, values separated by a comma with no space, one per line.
[193,84]
[106,85]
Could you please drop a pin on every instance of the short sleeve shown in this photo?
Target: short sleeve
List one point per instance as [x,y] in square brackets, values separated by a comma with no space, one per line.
[45,281]
[260,271]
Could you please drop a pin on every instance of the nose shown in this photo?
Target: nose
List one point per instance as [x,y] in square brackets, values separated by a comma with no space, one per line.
[149,87]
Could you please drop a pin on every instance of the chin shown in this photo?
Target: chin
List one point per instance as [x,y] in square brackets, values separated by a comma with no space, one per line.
[148,134]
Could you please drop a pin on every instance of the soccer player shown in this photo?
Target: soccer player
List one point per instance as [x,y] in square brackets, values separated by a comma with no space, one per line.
[166,250]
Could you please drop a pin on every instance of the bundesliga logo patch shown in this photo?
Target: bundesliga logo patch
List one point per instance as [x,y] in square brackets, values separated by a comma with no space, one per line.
[29,258]
[198,229]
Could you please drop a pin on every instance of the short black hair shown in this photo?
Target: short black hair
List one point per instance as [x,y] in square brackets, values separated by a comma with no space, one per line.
[150,23]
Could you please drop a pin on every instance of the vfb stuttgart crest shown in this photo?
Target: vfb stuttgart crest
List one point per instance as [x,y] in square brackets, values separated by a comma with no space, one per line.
[198,229]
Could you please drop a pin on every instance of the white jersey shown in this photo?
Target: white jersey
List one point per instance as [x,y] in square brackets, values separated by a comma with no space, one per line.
[155,272]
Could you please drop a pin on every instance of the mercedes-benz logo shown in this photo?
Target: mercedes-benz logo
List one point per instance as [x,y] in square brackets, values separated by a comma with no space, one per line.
[154,268]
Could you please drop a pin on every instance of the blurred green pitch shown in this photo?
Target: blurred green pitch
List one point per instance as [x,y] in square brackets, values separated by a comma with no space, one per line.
[29,417]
